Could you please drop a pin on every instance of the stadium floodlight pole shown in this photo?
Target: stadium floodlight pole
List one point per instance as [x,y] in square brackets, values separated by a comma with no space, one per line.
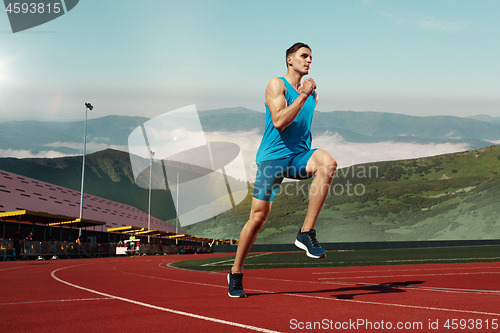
[88,106]
[149,205]
[177,219]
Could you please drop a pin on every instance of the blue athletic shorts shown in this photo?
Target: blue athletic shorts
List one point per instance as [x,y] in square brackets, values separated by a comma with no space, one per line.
[271,173]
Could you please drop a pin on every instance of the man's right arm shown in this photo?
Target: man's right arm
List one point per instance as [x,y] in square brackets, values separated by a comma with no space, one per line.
[282,114]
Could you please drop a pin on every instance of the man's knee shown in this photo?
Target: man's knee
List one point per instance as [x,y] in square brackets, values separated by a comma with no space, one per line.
[259,217]
[327,167]
[260,212]
[332,163]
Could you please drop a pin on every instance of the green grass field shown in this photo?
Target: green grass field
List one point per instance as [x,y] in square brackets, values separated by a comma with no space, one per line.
[351,258]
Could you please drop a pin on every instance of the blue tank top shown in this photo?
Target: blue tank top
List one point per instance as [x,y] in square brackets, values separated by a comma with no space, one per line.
[294,139]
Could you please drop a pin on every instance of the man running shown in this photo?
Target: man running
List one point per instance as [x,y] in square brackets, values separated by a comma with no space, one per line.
[285,151]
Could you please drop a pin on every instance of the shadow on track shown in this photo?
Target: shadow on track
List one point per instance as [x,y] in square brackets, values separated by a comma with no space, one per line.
[383,288]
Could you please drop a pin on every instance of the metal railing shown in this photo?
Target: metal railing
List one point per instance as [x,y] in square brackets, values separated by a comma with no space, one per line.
[63,250]
[35,249]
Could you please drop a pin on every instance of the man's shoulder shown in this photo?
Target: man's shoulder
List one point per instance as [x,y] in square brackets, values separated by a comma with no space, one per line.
[276,84]
[277,80]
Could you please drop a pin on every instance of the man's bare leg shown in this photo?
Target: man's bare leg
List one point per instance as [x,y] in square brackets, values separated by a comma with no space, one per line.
[323,166]
[258,216]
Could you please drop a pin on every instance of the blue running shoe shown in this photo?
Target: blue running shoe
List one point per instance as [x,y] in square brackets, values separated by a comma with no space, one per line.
[307,241]
[235,285]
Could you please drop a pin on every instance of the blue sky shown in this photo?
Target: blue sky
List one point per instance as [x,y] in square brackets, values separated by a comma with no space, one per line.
[143,58]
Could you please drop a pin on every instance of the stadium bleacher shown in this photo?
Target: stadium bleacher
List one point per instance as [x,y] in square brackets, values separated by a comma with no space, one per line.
[48,203]
[51,213]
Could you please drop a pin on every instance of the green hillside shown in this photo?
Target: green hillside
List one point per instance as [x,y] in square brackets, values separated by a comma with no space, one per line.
[447,197]
[108,174]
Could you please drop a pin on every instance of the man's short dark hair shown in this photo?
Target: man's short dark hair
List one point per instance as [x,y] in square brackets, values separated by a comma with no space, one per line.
[294,48]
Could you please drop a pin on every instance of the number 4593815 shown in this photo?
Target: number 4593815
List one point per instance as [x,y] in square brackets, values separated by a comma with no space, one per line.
[33,8]
[477,324]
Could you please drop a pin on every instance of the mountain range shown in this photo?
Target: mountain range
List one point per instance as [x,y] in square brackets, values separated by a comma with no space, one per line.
[445,197]
[452,196]
[363,127]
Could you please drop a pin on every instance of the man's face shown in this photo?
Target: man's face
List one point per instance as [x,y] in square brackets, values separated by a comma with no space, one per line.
[301,60]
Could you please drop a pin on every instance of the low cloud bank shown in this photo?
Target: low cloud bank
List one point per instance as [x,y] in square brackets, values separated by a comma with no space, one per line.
[349,153]
[346,153]
[92,147]
[19,153]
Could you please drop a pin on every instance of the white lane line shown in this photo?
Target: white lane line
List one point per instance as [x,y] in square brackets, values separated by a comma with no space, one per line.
[329,298]
[8,269]
[327,281]
[448,259]
[360,262]
[406,270]
[232,260]
[59,300]
[401,305]
[173,280]
[187,314]
[446,289]
[405,275]
[341,262]
[423,288]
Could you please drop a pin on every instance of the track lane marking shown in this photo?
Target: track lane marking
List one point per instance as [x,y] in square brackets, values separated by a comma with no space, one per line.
[348,283]
[187,314]
[405,270]
[229,260]
[401,305]
[331,299]
[8,269]
[426,288]
[59,300]
[405,275]
[445,289]
[365,262]
[323,298]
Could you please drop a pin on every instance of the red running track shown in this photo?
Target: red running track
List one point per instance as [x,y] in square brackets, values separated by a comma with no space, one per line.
[132,294]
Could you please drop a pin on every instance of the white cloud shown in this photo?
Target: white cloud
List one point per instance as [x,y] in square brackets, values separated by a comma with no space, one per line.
[20,153]
[426,22]
[431,23]
[349,153]
[450,135]
[346,153]
[91,146]
[247,141]
[397,19]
